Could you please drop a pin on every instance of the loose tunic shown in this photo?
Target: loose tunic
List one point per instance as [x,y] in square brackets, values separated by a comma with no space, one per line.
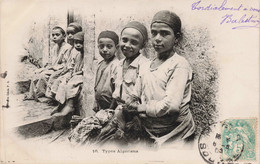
[159,90]
[105,83]
[56,62]
[125,81]
[69,85]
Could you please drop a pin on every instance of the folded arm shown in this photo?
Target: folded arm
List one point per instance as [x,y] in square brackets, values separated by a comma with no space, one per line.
[173,97]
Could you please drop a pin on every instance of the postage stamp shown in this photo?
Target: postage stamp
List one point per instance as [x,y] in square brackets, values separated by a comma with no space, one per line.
[232,140]
[239,139]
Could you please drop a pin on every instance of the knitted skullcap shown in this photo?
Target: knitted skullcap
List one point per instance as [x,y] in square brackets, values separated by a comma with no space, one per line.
[169,18]
[77,27]
[138,26]
[79,36]
[109,34]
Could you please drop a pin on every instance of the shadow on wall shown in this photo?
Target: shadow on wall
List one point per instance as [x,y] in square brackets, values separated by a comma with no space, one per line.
[197,47]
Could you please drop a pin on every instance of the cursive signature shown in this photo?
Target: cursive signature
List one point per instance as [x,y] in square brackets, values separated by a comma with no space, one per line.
[244,22]
[222,7]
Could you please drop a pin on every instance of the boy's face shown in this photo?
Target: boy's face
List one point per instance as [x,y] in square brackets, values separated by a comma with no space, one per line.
[163,38]
[107,48]
[78,44]
[57,36]
[70,32]
[131,42]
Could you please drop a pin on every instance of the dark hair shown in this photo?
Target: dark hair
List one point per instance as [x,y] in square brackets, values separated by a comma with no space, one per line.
[59,28]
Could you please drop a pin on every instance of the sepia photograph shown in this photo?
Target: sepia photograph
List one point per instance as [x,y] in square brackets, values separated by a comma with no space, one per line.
[129,81]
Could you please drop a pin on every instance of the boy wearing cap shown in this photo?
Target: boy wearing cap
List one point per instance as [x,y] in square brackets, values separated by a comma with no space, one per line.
[106,71]
[104,87]
[72,29]
[68,86]
[164,86]
[57,60]
[133,39]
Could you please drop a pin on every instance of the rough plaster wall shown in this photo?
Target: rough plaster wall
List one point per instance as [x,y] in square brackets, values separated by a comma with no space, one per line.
[87,94]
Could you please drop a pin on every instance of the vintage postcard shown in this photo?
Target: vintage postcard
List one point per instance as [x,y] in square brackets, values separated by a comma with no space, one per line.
[147,81]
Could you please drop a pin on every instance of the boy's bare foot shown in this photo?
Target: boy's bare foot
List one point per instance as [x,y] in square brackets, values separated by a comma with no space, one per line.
[62,110]
[62,118]
[68,108]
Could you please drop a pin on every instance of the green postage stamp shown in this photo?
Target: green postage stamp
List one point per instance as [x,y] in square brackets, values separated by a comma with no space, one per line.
[232,140]
[239,139]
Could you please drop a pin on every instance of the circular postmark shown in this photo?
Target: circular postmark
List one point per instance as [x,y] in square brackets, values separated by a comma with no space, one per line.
[230,140]
[209,144]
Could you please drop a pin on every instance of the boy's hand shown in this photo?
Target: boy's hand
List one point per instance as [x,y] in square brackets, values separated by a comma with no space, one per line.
[142,115]
[141,108]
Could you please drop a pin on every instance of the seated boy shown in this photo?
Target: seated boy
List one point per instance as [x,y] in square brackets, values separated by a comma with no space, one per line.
[58,55]
[106,71]
[67,87]
[133,39]
[105,80]
[72,29]
[164,87]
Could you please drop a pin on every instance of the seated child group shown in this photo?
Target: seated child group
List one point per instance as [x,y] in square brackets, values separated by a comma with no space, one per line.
[137,100]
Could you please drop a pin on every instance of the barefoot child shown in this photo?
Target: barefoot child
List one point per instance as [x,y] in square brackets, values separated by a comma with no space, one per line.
[106,71]
[58,57]
[164,85]
[67,87]
[72,29]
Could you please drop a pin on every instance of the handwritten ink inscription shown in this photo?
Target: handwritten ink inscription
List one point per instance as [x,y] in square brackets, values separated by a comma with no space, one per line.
[245,19]
[241,20]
